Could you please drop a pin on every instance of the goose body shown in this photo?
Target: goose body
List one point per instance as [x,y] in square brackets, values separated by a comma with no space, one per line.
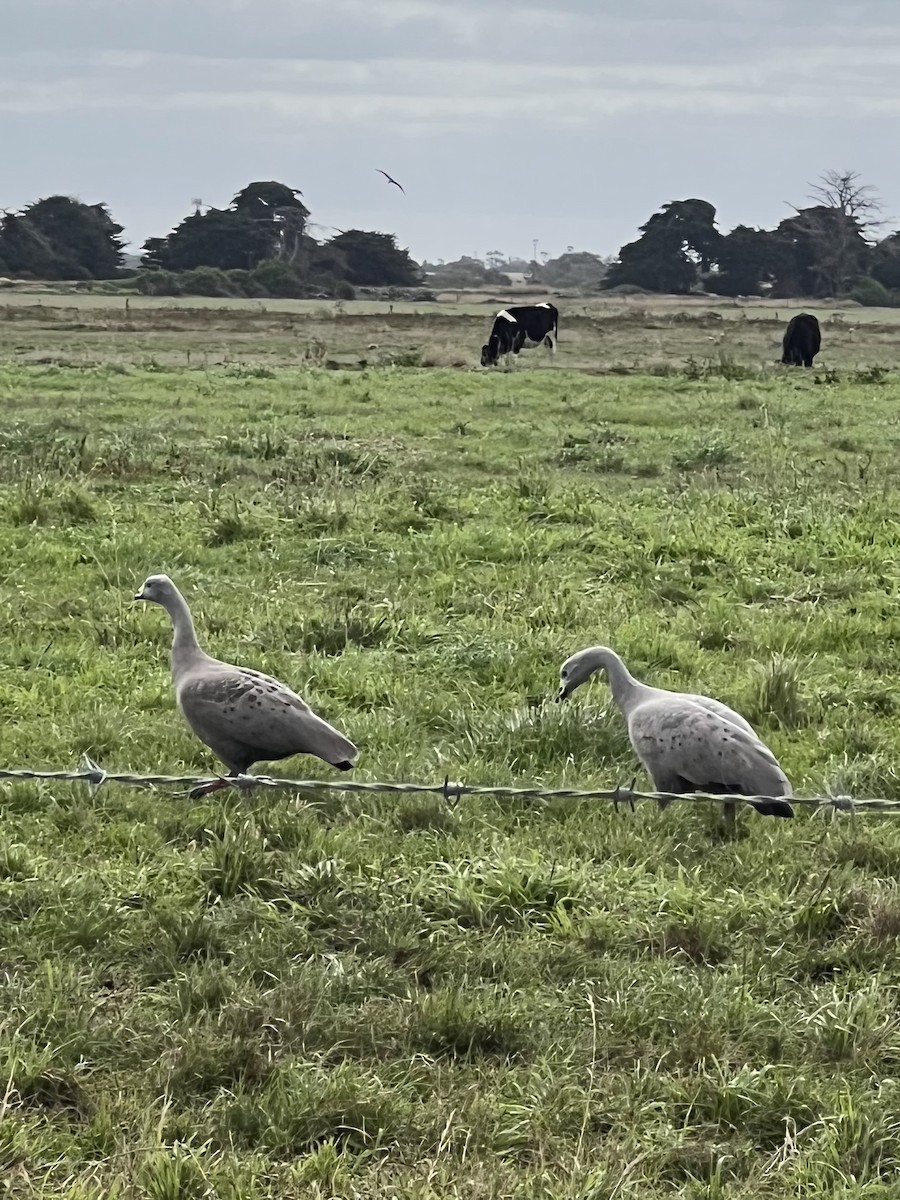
[243,715]
[686,742]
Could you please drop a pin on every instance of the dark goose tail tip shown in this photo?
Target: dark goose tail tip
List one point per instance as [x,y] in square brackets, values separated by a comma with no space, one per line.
[344,765]
[775,808]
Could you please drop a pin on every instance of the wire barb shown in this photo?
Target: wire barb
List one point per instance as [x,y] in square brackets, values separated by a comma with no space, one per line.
[452,792]
[627,794]
[93,773]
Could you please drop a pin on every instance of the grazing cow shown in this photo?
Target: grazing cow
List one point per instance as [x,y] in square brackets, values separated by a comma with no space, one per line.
[802,340]
[526,326]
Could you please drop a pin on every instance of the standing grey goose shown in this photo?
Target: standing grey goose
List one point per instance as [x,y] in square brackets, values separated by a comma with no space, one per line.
[686,743]
[243,715]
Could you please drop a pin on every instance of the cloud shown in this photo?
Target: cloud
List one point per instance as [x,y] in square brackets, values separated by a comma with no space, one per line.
[572,119]
[415,92]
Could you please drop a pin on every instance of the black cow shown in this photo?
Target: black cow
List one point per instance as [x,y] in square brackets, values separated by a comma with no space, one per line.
[802,340]
[526,326]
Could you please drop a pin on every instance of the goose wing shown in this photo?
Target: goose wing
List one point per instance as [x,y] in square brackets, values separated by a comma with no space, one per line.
[689,746]
[722,710]
[239,712]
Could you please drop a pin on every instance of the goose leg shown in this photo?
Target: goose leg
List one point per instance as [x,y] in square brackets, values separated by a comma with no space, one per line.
[674,784]
[204,789]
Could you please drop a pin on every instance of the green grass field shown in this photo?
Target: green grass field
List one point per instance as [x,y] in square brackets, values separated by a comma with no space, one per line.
[353,996]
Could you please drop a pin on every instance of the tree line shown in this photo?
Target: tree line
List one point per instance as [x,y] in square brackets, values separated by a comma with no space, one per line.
[828,248]
[260,245]
[576,269]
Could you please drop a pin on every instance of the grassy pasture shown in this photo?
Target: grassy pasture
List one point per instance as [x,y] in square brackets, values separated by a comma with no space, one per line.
[600,335]
[266,996]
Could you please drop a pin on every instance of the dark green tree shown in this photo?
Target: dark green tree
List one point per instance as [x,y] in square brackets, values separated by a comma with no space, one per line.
[25,250]
[677,244]
[61,238]
[885,264]
[261,200]
[275,203]
[656,262]
[375,260]
[219,238]
[325,264]
[695,221]
[832,238]
[266,220]
[746,258]
[154,255]
[829,248]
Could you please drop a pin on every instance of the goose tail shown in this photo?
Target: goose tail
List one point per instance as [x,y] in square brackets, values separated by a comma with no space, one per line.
[774,808]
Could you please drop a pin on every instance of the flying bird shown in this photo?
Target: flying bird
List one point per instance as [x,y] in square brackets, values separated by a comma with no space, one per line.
[390,180]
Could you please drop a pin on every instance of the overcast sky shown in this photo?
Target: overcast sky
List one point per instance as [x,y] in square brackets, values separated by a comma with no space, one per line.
[565,121]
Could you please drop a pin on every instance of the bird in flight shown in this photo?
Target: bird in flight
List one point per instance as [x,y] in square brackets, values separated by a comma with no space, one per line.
[390,180]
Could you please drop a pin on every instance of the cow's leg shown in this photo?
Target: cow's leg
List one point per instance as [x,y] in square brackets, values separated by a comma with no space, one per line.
[551,346]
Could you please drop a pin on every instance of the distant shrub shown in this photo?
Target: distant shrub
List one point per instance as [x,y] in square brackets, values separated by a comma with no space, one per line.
[627,289]
[277,278]
[158,283]
[243,283]
[205,281]
[871,293]
[323,285]
[467,272]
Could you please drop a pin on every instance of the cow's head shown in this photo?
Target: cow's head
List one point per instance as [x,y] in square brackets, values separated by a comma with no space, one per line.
[490,353]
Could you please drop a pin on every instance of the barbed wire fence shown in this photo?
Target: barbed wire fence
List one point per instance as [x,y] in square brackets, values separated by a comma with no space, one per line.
[95,776]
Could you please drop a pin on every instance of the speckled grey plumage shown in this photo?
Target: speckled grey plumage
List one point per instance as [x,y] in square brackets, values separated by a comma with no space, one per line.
[241,714]
[686,743]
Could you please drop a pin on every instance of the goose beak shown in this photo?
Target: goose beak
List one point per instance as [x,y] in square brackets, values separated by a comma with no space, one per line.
[139,596]
[562,694]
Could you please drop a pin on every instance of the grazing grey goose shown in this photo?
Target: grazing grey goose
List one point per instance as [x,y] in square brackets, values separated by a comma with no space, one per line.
[243,715]
[686,743]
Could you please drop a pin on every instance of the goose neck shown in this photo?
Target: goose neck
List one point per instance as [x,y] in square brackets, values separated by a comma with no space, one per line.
[621,682]
[184,637]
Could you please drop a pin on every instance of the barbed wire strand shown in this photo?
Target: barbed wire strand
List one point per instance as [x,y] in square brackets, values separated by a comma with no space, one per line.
[95,776]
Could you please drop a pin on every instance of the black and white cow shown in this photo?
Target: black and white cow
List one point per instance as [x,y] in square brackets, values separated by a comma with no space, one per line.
[526,326]
[802,340]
